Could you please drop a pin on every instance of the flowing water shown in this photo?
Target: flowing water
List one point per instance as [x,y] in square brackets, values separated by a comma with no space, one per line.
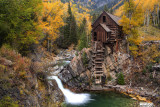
[108,99]
[105,99]
[70,97]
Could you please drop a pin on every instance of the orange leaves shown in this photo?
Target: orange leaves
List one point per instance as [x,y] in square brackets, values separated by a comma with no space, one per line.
[20,63]
[52,18]
[125,22]
[150,53]
[143,4]
[81,15]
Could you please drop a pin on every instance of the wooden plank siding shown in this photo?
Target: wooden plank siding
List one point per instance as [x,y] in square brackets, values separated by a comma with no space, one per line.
[109,22]
[102,34]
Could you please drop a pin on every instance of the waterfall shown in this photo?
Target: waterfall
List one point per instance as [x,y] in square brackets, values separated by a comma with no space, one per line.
[70,97]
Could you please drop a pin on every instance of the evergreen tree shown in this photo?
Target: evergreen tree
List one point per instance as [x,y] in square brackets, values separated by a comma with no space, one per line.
[111,11]
[67,28]
[18,23]
[70,29]
[73,34]
[82,35]
[106,8]
[94,17]
[120,79]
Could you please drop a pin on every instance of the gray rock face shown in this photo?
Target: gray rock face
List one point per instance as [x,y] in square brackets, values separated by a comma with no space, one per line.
[6,62]
[74,74]
[77,66]
[156,67]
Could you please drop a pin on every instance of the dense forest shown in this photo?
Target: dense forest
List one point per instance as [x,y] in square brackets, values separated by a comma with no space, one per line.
[33,33]
[26,23]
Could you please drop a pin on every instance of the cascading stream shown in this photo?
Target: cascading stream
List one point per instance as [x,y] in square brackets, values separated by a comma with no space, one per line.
[70,97]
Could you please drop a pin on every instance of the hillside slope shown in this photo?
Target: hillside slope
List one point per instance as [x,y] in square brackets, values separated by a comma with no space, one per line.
[96,5]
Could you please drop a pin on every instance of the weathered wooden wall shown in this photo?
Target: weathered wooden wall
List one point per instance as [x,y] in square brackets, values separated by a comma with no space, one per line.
[101,34]
[110,23]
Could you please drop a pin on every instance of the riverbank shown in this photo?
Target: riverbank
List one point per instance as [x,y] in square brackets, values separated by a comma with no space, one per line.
[108,99]
[137,93]
[142,86]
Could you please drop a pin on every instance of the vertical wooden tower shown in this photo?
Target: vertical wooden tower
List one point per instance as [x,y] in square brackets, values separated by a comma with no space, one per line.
[106,30]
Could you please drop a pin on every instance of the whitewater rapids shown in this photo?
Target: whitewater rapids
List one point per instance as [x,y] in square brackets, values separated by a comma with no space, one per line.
[70,97]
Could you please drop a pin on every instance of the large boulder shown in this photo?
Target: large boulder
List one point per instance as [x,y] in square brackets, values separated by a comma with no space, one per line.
[77,65]
[6,62]
[76,75]
[156,67]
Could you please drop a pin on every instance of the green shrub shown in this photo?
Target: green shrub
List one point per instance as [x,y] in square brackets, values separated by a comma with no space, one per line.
[150,76]
[8,102]
[109,78]
[84,59]
[157,60]
[76,53]
[144,71]
[149,67]
[120,79]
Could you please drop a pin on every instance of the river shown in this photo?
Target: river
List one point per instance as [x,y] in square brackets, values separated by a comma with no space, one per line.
[102,99]
[108,99]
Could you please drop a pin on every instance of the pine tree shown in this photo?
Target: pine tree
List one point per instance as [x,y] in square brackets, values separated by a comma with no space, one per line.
[67,28]
[120,79]
[73,34]
[94,17]
[18,23]
[111,11]
[106,8]
[70,29]
[82,35]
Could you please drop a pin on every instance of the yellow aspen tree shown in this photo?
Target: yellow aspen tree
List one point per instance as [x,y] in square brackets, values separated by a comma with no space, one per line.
[51,20]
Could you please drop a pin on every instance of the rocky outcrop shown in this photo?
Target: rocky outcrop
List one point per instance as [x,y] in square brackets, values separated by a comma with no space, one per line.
[156,67]
[24,82]
[76,75]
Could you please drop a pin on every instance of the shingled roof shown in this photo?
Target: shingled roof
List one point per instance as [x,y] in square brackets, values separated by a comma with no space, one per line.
[113,17]
[105,27]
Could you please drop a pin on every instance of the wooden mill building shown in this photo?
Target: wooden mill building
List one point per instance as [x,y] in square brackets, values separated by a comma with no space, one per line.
[106,30]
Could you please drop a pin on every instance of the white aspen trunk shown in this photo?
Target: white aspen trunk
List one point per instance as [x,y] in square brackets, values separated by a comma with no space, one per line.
[48,44]
[158,14]
[145,17]
[148,17]
[154,16]
[51,46]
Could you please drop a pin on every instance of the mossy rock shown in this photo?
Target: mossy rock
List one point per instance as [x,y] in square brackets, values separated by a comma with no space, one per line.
[8,102]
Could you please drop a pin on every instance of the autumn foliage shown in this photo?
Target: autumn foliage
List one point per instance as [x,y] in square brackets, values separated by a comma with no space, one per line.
[26,23]
[135,14]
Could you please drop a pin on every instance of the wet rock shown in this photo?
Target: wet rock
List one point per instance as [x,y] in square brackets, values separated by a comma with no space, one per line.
[6,62]
[156,67]
[77,65]
[65,76]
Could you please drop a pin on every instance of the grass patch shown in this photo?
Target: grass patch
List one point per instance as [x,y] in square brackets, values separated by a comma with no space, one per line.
[8,102]
[149,33]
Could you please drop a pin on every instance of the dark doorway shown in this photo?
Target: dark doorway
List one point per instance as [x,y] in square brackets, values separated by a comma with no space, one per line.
[95,36]
[104,18]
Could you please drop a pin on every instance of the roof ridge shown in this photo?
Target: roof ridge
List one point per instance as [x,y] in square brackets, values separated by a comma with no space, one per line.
[113,17]
[105,27]
[112,14]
